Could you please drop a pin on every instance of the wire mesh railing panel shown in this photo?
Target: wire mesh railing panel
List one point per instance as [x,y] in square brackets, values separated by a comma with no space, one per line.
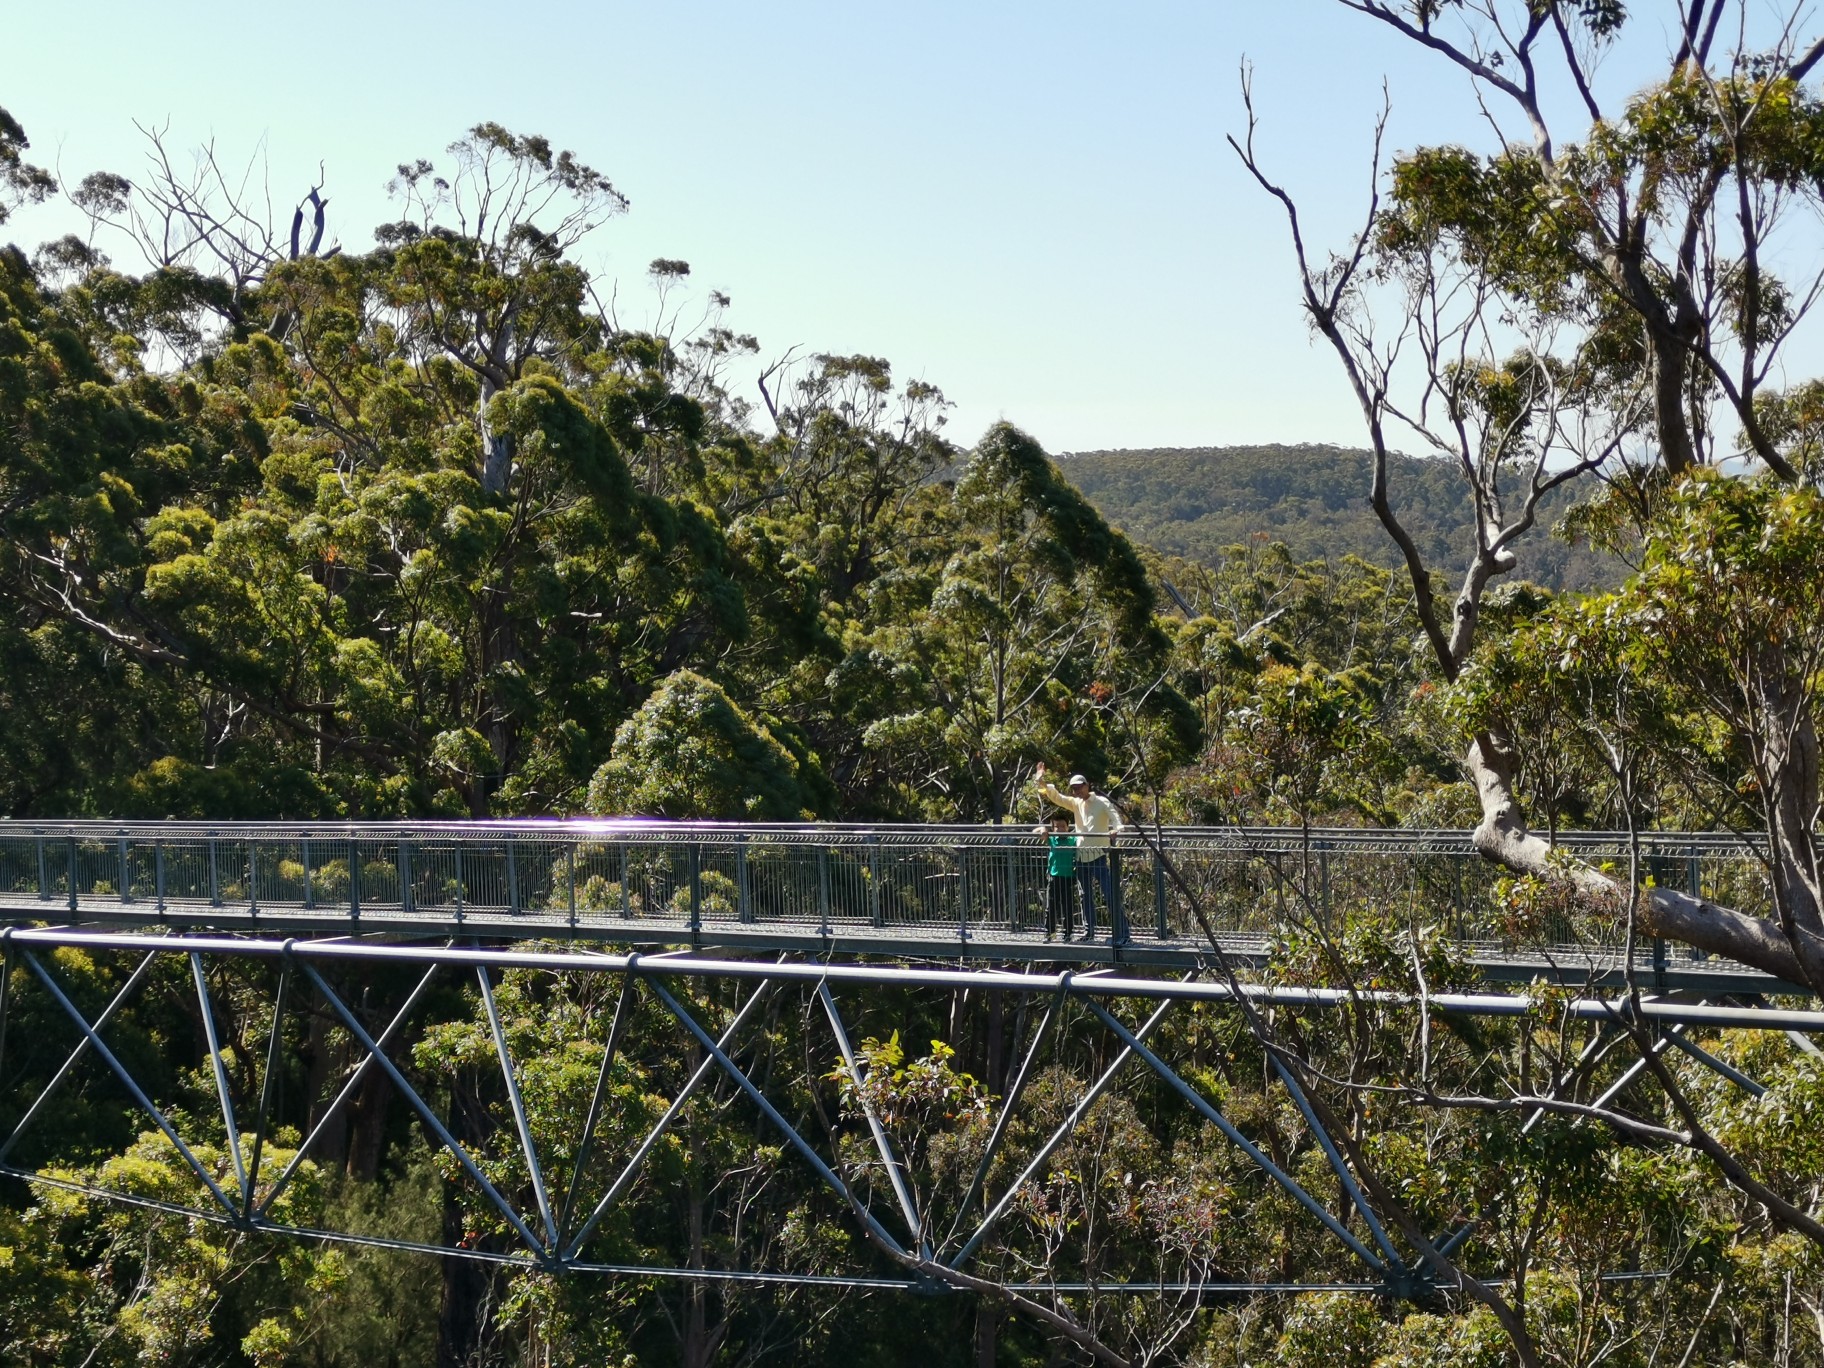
[1251,886]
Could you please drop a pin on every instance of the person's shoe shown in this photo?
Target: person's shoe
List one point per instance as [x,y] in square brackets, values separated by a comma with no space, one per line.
[1049,937]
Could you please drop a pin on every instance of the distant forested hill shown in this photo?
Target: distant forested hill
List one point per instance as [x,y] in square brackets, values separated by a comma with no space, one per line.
[1192,502]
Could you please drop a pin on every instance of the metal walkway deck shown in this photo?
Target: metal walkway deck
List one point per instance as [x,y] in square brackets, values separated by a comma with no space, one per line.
[925,892]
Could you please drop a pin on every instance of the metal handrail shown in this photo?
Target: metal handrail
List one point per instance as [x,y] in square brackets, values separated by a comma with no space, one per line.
[1242,839]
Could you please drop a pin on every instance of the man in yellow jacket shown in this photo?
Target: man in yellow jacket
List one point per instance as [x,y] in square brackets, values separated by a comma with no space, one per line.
[1096,821]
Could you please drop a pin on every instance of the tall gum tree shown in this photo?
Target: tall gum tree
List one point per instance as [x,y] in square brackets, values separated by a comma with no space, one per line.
[1609,305]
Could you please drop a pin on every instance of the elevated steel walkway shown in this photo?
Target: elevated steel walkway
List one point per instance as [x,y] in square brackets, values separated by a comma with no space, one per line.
[920,892]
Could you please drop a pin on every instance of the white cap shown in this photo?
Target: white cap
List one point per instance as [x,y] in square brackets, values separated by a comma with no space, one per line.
[1076,779]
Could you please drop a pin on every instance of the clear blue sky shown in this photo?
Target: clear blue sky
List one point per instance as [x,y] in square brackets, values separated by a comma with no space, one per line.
[1029,204]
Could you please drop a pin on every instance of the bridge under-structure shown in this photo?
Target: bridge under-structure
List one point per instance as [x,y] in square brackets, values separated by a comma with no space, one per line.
[302,916]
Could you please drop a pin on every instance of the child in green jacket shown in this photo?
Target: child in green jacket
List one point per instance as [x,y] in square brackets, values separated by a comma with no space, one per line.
[1061,867]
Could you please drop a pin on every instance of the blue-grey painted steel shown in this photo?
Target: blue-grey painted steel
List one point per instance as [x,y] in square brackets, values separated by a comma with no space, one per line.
[977,888]
[1723,1067]
[158,1117]
[630,1170]
[1099,985]
[1247,1146]
[222,1091]
[517,1103]
[797,1141]
[268,1083]
[915,1227]
[1343,1173]
[348,1088]
[587,1140]
[1056,1138]
[49,1091]
[425,1113]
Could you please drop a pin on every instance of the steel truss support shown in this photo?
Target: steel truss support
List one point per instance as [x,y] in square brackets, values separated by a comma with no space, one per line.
[541,1215]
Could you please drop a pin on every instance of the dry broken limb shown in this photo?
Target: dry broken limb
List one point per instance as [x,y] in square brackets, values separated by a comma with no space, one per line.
[1666,272]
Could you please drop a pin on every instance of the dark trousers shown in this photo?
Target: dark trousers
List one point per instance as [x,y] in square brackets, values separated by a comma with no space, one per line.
[1060,895]
[1091,875]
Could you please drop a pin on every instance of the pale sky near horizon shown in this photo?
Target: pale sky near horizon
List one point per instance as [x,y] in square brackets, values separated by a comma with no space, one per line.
[1031,206]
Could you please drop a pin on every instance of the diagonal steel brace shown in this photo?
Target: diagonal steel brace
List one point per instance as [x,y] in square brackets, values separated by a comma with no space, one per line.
[797,1141]
[425,1113]
[1247,1146]
[1058,1136]
[632,1168]
[139,1096]
[895,1175]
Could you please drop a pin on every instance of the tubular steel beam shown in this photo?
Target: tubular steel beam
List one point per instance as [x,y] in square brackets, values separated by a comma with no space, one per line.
[82,1047]
[348,1090]
[914,1226]
[139,1096]
[1083,985]
[1247,1146]
[595,1103]
[1011,1101]
[1328,1143]
[1058,1136]
[229,1126]
[268,1086]
[631,1169]
[425,1113]
[797,1141]
[518,1105]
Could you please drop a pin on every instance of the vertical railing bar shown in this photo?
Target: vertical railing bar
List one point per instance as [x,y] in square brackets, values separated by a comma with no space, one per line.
[403,863]
[823,890]
[354,879]
[215,878]
[512,877]
[310,896]
[744,894]
[570,867]
[126,873]
[72,878]
[874,879]
[158,875]
[456,846]
[44,882]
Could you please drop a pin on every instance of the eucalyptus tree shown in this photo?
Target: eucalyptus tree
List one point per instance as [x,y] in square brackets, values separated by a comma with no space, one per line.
[1610,296]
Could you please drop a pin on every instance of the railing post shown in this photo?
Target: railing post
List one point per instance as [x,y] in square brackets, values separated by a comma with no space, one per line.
[404,866]
[310,897]
[1162,928]
[72,878]
[823,890]
[696,887]
[744,898]
[626,883]
[570,878]
[158,874]
[874,880]
[1117,901]
[44,883]
[458,855]
[1012,884]
[215,875]
[354,880]
[512,880]
[253,878]
[126,873]
[962,894]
